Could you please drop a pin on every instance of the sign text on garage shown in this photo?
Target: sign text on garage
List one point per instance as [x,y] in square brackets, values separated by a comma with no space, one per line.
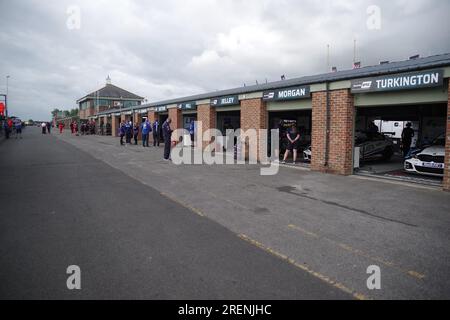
[225,101]
[188,106]
[161,109]
[405,81]
[293,93]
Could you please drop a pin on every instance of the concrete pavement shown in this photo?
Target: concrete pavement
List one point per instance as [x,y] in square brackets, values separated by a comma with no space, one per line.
[331,227]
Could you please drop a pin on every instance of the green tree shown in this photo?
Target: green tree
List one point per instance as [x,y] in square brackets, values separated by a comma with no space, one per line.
[55,112]
[74,112]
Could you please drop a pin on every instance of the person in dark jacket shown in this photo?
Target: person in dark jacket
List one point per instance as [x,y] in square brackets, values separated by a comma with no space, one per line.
[122,132]
[407,135]
[156,128]
[136,133]
[128,132]
[167,133]
[293,144]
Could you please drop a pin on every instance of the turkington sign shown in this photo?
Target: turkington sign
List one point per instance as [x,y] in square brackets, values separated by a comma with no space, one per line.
[293,93]
[404,81]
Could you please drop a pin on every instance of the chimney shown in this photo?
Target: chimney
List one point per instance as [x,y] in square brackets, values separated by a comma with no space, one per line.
[334,69]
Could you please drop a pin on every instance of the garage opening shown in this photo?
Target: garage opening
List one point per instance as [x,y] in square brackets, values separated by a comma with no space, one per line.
[227,120]
[162,117]
[285,121]
[189,119]
[382,146]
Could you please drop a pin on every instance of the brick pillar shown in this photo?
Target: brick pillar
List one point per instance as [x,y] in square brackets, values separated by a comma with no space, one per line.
[115,121]
[207,116]
[138,120]
[254,116]
[152,116]
[177,118]
[446,182]
[342,113]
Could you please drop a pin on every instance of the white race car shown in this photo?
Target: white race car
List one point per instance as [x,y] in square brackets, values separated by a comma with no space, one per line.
[430,161]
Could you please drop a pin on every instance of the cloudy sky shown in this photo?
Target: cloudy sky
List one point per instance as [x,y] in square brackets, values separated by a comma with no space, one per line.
[170,48]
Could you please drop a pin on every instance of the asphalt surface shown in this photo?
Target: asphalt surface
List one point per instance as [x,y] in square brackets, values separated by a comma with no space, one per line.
[333,227]
[60,206]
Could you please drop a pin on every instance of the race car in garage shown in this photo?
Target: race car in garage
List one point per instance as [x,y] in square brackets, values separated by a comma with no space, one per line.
[373,146]
[430,161]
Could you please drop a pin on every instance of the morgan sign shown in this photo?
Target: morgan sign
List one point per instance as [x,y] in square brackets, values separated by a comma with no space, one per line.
[405,81]
[294,93]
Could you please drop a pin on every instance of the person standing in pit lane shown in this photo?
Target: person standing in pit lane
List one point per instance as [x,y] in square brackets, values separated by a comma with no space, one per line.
[122,132]
[128,132]
[293,144]
[156,137]
[18,128]
[136,133]
[167,133]
[146,128]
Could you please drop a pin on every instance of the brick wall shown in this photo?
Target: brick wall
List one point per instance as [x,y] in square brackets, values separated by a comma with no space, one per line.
[152,116]
[342,113]
[253,116]
[176,116]
[115,121]
[207,116]
[318,131]
[446,183]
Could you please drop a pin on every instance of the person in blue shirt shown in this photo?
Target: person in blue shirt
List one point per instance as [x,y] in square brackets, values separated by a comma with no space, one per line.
[156,129]
[146,128]
[18,128]
[192,132]
[167,132]
[122,132]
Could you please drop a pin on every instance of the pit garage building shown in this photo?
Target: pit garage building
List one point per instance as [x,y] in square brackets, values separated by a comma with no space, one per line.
[329,110]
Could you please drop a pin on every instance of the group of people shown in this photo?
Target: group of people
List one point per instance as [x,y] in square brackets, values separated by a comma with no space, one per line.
[87,127]
[131,132]
[13,126]
[46,127]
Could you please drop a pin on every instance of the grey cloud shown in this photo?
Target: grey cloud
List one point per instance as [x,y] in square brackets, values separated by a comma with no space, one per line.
[164,49]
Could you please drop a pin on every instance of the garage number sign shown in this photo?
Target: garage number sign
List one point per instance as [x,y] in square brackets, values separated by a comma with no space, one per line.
[161,109]
[405,81]
[293,93]
[225,101]
[188,106]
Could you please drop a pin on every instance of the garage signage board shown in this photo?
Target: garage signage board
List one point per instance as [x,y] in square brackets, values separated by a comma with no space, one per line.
[188,106]
[404,81]
[293,93]
[225,101]
[161,109]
